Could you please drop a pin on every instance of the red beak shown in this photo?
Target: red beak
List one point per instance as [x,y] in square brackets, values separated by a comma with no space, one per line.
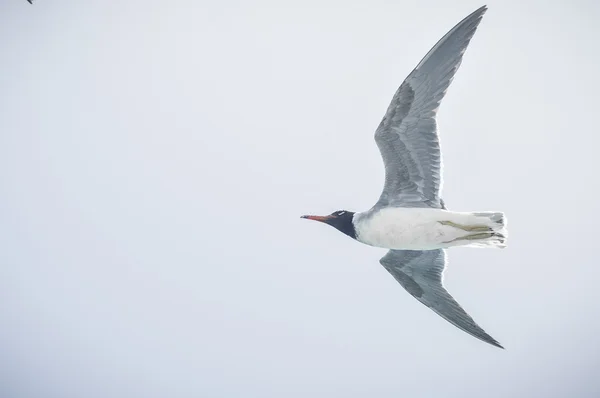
[318,218]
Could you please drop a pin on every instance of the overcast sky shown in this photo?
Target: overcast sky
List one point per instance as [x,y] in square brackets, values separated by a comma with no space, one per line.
[155,157]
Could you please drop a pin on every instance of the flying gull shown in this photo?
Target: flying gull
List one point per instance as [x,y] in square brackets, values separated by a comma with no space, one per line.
[410,218]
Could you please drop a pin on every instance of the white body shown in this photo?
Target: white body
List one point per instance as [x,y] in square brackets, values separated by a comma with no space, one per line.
[428,229]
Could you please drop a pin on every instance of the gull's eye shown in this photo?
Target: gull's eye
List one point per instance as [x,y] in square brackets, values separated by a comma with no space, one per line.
[341,213]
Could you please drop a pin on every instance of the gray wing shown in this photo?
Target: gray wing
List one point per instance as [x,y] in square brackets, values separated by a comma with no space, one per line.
[421,274]
[407,136]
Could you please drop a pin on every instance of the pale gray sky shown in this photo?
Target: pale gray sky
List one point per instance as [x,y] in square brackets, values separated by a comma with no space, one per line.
[155,157]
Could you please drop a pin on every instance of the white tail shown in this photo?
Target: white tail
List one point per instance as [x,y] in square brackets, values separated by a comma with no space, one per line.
[496,221]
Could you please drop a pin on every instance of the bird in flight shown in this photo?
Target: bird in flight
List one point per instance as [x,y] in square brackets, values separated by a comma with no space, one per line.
[30,1]
[410,217]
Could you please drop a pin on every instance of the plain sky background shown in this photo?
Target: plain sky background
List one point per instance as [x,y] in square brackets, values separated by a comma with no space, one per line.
[155,157]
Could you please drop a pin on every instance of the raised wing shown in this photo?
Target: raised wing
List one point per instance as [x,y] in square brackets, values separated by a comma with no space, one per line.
[407,136]
[421,274]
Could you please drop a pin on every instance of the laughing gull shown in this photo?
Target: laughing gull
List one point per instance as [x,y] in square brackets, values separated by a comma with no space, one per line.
[410,217]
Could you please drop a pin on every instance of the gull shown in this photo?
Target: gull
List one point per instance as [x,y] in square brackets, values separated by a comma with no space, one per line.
[410,217]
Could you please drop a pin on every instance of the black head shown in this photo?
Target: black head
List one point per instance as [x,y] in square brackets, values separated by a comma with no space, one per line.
[341,220]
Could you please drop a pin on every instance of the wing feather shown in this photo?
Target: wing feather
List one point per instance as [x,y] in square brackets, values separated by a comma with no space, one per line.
[421,274]
[407,136]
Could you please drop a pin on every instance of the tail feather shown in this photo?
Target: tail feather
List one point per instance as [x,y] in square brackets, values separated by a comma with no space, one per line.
[497,216]
[499,234]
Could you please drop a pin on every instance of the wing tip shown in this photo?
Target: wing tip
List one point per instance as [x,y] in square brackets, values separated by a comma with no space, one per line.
[478,13]
[494,343]
[481,9]
[488,339]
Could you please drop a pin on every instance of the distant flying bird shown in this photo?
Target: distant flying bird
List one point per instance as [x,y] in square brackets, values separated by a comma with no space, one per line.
[410,217]
[30,1]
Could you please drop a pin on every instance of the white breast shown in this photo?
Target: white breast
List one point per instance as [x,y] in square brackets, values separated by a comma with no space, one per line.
[403,228]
